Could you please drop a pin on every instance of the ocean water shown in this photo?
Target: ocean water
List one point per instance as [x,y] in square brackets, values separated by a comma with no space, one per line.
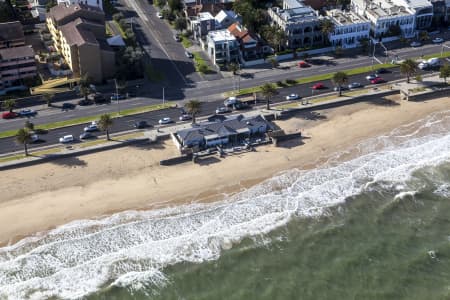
[372,223]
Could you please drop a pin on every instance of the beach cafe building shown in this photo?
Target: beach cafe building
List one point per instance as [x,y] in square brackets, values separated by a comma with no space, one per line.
[221,130]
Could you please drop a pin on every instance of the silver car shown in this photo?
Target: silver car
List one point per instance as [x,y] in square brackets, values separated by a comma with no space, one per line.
[354,85]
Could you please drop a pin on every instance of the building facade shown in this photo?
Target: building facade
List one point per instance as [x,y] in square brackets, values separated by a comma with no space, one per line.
[250,46]
[222,47]
[95,3]
[299,22]
[16,64]
[78,32]
[202,24]
[11,35]
[349,29]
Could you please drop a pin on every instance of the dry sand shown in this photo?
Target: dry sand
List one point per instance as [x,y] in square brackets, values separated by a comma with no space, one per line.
[41,197]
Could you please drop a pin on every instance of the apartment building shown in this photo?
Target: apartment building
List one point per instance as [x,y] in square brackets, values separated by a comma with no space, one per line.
[222,47]
[16,64]
[300,23]
[78,32]
[94,3]
[349,28]
[11,35]
[249,43]
[202,24]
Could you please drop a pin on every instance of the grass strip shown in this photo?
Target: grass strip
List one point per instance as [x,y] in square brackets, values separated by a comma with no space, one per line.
[185,42]
[123,113]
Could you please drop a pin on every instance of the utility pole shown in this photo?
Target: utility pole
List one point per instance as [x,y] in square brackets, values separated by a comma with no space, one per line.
[117,96]
[164,100]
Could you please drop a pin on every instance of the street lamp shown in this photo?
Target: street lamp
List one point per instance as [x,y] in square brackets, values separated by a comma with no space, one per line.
[117,96]
[164,100]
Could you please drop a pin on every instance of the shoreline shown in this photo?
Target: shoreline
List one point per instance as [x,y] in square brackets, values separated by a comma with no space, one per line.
[41,197]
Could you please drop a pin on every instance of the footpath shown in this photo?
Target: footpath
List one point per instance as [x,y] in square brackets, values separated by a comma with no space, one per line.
[430,87]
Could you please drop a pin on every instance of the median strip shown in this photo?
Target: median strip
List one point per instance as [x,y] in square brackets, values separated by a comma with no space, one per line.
[78,121]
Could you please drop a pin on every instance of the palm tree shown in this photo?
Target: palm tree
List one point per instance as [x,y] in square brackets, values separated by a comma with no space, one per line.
[268,91]
[23,136]
[339,78]
[9,104]
[444,72]
[84,84]
[48,99]
[327,27]
[408,68]
[105,123]
[193,107]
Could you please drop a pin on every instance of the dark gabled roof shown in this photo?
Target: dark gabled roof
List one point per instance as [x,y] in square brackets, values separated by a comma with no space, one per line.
[16,52]
[61,11]
[11,31]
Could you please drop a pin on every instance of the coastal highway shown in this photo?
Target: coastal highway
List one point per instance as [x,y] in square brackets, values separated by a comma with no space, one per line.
[126,123]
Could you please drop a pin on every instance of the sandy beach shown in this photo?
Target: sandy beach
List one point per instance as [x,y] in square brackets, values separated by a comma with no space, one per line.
[44,196]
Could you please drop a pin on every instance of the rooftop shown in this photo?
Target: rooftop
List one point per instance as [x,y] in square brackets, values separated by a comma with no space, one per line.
[16,52]
[221,35]
[386,9]
[298,14]
[345,17]
[11,31]
[75,35]
[62,11]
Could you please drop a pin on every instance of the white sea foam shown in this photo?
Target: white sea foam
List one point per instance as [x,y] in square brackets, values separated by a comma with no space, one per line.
[132,248]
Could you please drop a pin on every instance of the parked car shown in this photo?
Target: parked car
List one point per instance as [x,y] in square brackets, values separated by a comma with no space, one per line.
[177,38]
[415,44]
[377,80]
[185,117]
[9,115]
[165,120]
[318,86]
[35,138]
[423,65]
[86,135]
[371,77]
[141,124]
[343,88]
[188,54]
[66,139]
[354,85]
[241,105]
[27,113]
[159,15]
[381,71]
[98,98]
[438,40]
[230,101]
[67,105]
[223,110]
[303,64]
[292,97]
[116,97]
[84,102]
[91,127]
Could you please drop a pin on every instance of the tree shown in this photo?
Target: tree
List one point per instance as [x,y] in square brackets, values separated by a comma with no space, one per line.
[364,43]
[408,68]
[175,5]
[268,91]
[23,136]
[444,72]
[327,27]
[339,78]
[424,36]
[48,99]
[193,107]
[9,104]
[233,67]
[84,84]
[180,24]
[105,123]
[28,125]
[274,62]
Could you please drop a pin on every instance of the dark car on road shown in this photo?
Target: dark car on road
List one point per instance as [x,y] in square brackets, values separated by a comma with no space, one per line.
[27,113]
[85,102]
[116,97]
[141,124]
[86,135]
[67,105]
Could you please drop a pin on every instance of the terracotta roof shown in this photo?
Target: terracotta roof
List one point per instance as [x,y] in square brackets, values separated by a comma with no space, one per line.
[241,33]
[75,35]
[11,31]
[16,52]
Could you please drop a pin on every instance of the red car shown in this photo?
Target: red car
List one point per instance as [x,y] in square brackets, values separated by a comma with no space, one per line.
[9,115]
[303,64]
[377,80]
[318,86]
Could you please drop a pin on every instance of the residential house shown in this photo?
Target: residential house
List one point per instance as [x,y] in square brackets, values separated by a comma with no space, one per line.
[221,131]
[227,17]
[222,47]
[300,23]
[94,3]
[202,24]
[16,64]
[192,8]
[78,32]
[250,47]
[349,28]
[11,35]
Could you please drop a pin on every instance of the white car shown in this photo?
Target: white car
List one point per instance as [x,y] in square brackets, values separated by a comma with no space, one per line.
[34,138]
[185,117]
[292,97]
[354,85]
[438,40]
[422,65]
[159,15]
[223,110]
[371,77]
[415,44]
[91,127]
[166,120]
[66,139]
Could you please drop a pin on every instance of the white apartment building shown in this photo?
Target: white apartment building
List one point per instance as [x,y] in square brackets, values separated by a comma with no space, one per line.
[222,47]
[422,10]
[385,14]
[96,3]
[349,28]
